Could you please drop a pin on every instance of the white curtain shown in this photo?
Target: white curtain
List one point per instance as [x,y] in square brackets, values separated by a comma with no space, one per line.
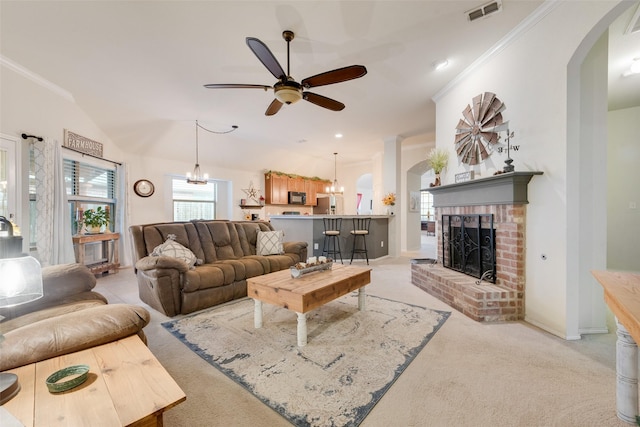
[122,222]
[53,223]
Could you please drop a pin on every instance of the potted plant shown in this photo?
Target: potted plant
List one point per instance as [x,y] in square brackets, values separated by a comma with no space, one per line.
[438,160]
[95,219]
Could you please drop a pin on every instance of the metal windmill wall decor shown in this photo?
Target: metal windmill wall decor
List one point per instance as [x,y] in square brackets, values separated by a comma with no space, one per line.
[477,132]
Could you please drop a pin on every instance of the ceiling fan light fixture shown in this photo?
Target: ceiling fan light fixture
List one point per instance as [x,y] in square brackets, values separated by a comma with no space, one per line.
[288,93]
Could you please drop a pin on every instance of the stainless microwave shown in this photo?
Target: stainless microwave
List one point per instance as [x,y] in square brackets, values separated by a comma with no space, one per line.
[297,198]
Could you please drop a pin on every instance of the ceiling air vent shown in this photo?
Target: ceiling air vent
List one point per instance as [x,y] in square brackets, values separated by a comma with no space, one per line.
[484,10]
[634,24]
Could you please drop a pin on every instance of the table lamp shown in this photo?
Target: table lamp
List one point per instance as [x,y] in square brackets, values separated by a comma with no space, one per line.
[20,282]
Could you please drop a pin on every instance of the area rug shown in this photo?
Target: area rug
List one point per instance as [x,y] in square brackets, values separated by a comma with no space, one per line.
[351,359]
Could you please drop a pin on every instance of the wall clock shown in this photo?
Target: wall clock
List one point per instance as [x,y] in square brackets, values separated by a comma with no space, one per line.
[477,131]
[143,188]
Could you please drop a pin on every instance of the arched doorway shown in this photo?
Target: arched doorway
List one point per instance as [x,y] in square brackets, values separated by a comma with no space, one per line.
[587,178]
[364,194]
[418,241]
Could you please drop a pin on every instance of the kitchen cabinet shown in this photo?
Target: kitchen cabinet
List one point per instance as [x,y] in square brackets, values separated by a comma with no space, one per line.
[276,189]
[295,184]
[310,188]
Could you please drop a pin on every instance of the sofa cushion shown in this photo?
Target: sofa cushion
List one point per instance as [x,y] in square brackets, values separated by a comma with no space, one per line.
[248,234]
[154,235]
[208,276]
[270,243]
[171,248]
[247,267]
[220,240]
[281,262]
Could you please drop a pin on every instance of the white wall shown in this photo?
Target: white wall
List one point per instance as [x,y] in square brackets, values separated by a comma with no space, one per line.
[530,75]
[29,107]
[623,190]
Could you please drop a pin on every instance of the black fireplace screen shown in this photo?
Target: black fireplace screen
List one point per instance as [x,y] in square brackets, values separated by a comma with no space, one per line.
[469,245]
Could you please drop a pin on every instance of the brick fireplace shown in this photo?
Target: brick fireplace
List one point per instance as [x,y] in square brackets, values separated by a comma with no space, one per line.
[504,197]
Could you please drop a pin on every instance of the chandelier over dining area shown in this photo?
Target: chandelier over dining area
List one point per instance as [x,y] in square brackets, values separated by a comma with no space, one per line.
[197,177]
[335,188]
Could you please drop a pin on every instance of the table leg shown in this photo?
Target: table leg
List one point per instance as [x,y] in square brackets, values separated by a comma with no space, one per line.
[361,299]
[302,329]
[627,375]
[257,314]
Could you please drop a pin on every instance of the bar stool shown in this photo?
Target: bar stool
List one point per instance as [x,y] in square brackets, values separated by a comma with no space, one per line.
[331,245]
[360,229]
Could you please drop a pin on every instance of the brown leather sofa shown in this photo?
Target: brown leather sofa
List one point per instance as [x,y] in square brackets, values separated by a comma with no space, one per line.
[227,250]
[69,317]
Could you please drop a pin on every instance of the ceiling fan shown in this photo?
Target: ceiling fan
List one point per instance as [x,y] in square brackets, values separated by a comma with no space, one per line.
[286,89]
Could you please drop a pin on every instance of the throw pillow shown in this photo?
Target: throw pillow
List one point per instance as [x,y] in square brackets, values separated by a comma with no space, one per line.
[270,242]
[173,249]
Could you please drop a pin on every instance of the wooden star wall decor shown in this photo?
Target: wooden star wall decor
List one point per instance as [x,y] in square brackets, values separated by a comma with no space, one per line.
[252,193]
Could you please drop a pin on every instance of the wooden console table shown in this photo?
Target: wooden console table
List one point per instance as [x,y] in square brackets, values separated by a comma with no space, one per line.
[126,386]
[622,295]
[109,251]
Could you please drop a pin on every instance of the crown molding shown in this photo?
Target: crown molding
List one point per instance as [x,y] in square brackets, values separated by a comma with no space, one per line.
[524,26]
[17,68]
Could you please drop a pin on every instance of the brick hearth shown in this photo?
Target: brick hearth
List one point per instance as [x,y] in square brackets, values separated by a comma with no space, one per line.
[504,196]
[485,302]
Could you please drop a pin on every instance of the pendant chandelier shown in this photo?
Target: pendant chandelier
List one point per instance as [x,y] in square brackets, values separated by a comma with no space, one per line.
[335,188]
[197,177]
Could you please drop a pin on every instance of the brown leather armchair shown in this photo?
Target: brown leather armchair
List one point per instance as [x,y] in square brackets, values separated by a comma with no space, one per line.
[68,318]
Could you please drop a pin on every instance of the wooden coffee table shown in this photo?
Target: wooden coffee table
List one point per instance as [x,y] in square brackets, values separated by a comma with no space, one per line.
[307,292]
[126,386]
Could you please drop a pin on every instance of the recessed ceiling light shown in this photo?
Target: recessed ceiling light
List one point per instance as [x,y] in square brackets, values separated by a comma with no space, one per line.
[439,65]
[302,141]
[338,135]
[635,66]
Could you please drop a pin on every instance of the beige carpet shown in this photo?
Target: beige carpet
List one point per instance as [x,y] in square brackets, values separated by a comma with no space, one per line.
[470,374]
[350,361]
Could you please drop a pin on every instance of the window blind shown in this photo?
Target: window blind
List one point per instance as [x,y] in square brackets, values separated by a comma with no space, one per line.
[83,180]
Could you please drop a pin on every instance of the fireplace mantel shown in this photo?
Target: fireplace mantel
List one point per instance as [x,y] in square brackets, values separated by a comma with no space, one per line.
[505,188]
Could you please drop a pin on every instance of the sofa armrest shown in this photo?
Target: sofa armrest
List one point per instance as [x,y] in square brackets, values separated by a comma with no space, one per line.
[153,262]
[61,283]
[67,279]
[299,248]
[71,332]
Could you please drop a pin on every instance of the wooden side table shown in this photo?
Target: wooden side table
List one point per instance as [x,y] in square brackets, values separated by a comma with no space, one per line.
[622,295]
[109,249]
[127,386]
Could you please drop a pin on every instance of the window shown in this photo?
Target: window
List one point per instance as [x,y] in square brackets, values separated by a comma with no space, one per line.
[89,187]
[191,201]
[427,212]
[8,175]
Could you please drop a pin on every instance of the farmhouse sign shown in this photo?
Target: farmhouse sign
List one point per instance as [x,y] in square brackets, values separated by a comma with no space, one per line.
[80,143]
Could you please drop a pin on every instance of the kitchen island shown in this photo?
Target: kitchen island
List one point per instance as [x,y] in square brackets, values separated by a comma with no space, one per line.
[309,228]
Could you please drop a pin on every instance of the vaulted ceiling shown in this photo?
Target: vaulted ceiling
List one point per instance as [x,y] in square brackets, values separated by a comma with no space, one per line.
[138,69]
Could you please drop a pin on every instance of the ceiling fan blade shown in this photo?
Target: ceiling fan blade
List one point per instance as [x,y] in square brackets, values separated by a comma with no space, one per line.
[273,108]
[236,86]
[323,101]
[335,76]
[266,57]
